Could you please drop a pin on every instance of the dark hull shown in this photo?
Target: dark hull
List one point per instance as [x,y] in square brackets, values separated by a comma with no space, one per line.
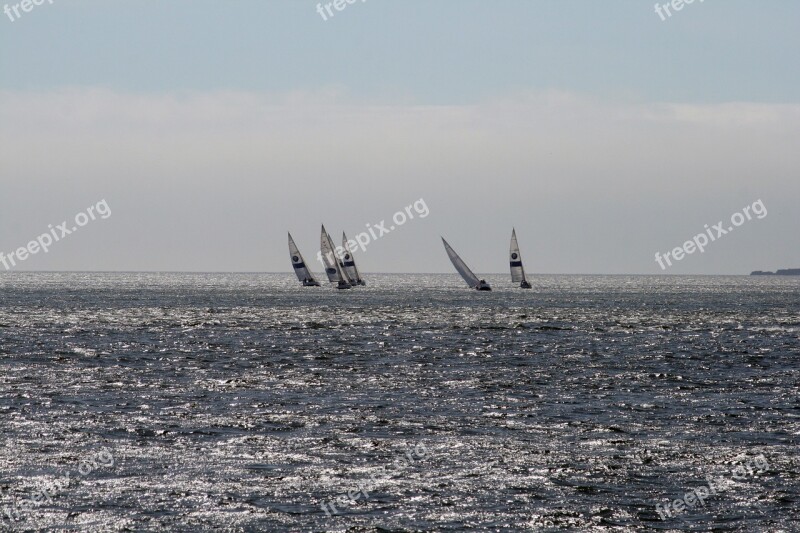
[483,286]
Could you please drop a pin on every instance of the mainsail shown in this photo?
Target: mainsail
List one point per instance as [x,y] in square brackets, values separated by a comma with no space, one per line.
[349,263]
[329,259]
[470,277]
[303,272]
[515,260]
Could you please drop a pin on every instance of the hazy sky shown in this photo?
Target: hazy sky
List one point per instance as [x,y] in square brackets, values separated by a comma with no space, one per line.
[601,132]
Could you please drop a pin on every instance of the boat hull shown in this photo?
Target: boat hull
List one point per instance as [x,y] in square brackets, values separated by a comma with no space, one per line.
[483,286]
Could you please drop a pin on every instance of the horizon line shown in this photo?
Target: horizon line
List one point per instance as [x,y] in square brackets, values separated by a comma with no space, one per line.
[379,273]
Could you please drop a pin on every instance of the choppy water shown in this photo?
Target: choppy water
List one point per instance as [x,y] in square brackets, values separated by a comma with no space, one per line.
[242,402]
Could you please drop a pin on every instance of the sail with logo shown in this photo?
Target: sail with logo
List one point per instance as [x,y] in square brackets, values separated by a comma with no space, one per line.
[462,268]
[333,267]
[349,264]
[304,275]
[515,259]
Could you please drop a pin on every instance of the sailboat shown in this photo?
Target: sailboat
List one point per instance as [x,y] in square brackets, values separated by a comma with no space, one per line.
[349,263]
[469,276]
[332,266]
[299,264]
[515,259]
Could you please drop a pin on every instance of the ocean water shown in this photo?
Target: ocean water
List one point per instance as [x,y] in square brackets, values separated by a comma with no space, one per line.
[243,402]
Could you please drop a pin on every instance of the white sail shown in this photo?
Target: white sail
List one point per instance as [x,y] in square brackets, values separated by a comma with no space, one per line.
[470,277]
[515,260]
[332,267]
[345,276]
[300,268]
[349,263]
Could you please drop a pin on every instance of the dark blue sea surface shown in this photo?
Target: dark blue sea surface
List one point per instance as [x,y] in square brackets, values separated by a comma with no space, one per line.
[244,402]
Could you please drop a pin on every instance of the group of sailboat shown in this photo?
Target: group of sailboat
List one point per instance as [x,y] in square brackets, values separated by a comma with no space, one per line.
[515,260]
[340,270]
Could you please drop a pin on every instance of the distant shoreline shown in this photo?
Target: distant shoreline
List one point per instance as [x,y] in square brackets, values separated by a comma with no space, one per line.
[781,272]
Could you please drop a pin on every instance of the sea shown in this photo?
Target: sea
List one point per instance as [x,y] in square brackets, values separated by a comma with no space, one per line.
[244,402]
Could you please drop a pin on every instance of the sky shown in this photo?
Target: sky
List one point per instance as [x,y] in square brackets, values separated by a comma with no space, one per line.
[602,131]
